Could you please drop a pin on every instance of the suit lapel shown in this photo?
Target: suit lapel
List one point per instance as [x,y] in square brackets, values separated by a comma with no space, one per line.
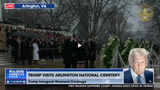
[147,77]
[128,77]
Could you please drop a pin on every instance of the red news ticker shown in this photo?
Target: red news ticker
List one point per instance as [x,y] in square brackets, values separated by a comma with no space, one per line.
[9,6]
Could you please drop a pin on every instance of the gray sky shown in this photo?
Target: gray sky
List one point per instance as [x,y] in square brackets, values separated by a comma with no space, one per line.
[134,19]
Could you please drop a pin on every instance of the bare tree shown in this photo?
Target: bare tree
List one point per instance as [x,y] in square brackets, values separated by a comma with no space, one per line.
[60,14]
[118,25]
[89,13]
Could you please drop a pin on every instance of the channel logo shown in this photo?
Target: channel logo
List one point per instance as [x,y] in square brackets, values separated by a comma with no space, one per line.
[28,6]
[9,6]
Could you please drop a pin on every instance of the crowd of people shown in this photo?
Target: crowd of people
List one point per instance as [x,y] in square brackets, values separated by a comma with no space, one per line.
[80,56]
[51,46]
[48,40]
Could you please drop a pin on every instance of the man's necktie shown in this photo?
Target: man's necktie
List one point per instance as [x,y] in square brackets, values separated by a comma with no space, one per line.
[139,79]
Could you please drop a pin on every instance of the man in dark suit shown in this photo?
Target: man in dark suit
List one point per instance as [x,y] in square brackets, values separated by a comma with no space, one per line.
[51,45]
[93,52]
[15,46]
[67,52]
[29,51]
[138,59]
[8,33]
[74,51]
[89,51]
[23,51]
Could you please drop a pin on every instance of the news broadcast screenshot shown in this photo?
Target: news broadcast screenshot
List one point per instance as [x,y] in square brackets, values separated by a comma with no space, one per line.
[79,44]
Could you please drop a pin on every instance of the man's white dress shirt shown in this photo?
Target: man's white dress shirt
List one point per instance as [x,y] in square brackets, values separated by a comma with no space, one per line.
[134,77]
[75,40]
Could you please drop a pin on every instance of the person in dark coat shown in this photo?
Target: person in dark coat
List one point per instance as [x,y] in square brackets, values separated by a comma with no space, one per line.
[51,45]
[93,53]
[56,44]
[9,42]
[67,52]
[46,51]
[157,49]
[81,54]
[15,46]
[7,27]
[62,49]
[74,51]
[30,51]
[98,46]
[42,52]
[8,33]
[40,46]
[23,51]
[89,51]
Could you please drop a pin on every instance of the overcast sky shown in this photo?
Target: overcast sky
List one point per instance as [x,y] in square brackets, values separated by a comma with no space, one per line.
[134,19]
